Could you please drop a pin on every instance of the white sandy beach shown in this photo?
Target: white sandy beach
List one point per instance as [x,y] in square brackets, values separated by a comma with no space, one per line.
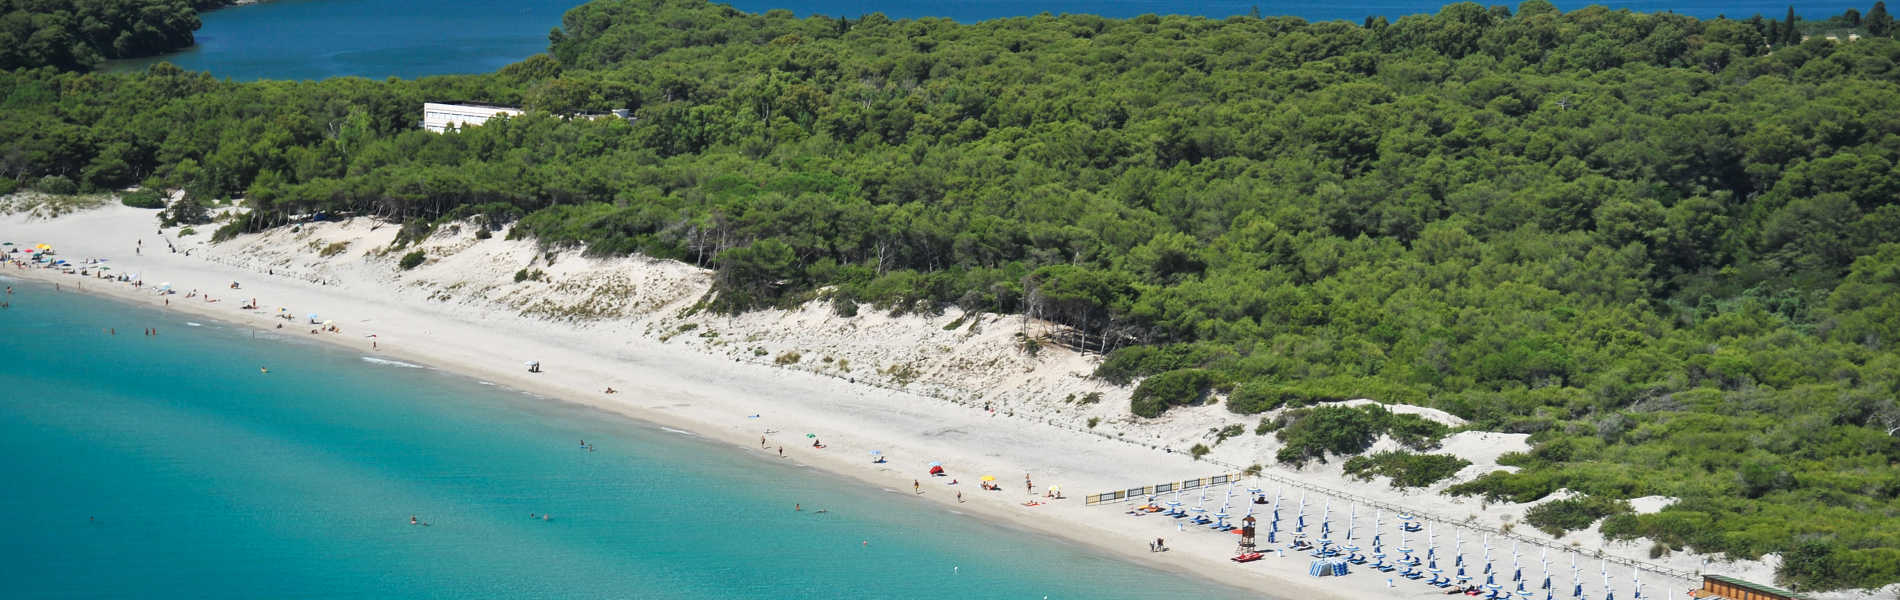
[913,387]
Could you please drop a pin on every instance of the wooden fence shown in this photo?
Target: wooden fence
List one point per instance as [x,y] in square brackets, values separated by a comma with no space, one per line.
[1159,488]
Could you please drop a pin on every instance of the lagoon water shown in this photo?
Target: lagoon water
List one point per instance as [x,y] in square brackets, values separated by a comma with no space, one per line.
[171,467]
[314,39]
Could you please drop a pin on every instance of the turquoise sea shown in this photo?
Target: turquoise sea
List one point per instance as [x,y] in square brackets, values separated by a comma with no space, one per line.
[314,39]
[170,467]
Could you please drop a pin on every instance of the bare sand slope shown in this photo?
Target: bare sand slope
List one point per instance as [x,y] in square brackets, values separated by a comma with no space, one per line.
[956,388]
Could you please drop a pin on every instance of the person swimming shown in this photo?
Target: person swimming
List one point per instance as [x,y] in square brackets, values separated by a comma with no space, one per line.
[413,521]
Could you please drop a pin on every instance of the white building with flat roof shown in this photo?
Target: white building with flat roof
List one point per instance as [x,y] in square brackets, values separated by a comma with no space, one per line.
[438,117]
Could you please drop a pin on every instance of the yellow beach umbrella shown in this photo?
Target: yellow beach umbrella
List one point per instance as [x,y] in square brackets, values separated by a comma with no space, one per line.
[988,478]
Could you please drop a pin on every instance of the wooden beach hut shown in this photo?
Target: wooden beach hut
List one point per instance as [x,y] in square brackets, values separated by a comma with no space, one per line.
[1730,588]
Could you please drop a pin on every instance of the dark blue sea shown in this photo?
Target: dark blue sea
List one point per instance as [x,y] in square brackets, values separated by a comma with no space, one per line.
[314,39]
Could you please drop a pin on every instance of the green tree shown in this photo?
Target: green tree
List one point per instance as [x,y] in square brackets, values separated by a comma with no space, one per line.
[1878,22]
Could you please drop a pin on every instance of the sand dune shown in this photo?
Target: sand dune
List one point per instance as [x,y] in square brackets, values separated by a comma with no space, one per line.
[955,388]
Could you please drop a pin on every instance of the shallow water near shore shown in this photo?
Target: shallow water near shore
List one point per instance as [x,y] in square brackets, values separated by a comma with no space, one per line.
[171,466]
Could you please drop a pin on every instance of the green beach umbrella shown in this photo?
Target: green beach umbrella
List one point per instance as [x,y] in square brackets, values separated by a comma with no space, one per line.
[811,435]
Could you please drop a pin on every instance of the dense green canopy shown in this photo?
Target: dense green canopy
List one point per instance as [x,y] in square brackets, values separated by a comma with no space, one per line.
[76,35]
[1664,247]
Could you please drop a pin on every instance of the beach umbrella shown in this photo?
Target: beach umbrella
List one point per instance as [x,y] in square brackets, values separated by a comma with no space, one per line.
[313,317]
[935,464]
[811,435]
[1408,522]
[877,453]
[987,478]
[6,243]
[1350,517]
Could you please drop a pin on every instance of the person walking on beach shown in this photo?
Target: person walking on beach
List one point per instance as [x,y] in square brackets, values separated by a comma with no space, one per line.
[959,497]
[915,487]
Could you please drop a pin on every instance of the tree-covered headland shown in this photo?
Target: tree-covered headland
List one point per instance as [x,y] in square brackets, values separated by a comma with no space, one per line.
[1664,247]
[77,35]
